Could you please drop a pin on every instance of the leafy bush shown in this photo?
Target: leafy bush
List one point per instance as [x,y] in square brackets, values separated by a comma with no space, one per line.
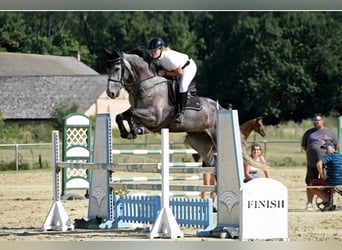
[41,133]
[60,112]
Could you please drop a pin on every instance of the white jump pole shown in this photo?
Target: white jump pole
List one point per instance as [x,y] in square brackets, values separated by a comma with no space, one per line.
[57,218]
[165,225]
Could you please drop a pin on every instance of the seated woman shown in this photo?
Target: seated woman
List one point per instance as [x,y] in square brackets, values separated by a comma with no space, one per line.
[257,155]
[331,175]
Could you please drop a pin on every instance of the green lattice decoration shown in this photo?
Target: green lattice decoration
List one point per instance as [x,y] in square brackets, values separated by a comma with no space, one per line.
[77,136]
[76,148]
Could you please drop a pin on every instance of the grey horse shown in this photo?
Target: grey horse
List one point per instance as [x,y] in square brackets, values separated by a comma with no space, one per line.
[152,106]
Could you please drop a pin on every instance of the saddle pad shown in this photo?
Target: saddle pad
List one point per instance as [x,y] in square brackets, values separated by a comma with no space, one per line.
[194,103]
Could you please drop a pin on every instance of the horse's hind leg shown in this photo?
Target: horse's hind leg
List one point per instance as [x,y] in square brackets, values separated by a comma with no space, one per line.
[203,144]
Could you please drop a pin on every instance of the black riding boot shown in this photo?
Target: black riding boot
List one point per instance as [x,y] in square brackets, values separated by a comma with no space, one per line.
[183,98]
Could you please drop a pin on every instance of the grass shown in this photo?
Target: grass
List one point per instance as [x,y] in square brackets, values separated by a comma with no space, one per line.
[281,146]
[30,157]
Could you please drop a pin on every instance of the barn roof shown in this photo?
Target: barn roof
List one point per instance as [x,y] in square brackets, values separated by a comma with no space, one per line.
[35,97]
[31,86]
[20,64]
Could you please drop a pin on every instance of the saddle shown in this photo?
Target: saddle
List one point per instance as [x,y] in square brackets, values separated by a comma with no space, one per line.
[193,102]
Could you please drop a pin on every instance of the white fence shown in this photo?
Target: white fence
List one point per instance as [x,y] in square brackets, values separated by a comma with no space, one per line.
[38,155]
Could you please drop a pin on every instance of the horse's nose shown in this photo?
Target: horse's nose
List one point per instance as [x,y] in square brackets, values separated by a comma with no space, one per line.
[111,94]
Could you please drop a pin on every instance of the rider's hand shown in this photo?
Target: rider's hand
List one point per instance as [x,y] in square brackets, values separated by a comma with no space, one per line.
[162,73]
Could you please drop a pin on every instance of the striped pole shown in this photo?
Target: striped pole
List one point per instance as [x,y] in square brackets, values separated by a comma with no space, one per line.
[135,167]
[171,194]
[155,178]
[174,187]
[151,151]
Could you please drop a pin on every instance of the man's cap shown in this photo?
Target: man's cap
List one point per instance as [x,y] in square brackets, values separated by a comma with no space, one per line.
[327,144]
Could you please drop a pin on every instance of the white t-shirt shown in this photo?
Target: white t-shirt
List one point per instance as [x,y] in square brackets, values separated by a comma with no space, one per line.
[171,59]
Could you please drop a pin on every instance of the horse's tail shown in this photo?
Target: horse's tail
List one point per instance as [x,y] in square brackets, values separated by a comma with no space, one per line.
[219,106]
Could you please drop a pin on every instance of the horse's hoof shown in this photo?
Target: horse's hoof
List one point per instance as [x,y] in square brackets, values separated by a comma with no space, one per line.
[131,136]
[141,131]
[138,131]
[124,135]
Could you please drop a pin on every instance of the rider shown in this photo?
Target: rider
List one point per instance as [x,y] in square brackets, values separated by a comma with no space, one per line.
[174,64]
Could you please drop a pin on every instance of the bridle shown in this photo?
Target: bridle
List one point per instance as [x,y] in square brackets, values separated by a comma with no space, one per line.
[122,81]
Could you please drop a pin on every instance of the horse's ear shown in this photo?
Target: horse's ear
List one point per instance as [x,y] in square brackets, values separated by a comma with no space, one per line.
[112,54]
[119,53]
[107,52]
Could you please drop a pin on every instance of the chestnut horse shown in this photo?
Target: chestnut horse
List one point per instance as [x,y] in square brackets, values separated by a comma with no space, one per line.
[246,129]
[255,125]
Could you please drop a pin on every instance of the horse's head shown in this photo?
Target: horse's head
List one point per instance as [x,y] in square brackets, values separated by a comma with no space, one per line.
[117,75]
[125,70]
[259,126]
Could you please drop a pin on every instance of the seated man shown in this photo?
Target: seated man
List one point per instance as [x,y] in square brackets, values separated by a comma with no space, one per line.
[331,176]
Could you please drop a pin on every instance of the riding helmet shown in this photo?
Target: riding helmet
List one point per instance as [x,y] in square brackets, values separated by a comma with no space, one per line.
[156,43]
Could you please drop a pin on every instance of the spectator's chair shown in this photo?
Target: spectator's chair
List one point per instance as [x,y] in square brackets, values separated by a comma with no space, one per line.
[331,190]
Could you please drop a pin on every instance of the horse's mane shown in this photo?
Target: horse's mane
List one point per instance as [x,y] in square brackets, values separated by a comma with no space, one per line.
[140,51]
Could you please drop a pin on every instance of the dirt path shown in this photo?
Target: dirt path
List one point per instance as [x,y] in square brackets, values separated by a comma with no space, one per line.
[26,196]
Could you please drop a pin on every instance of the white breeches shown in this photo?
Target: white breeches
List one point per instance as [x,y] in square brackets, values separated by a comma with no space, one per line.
[188,75]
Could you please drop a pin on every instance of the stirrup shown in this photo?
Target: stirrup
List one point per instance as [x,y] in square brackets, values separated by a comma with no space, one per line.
[178,118]
[320,205]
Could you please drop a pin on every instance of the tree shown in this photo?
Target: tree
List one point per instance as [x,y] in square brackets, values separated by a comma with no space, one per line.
[60,111]
[279,63]
[282,65]
[12,31]
[123,30]
[2,123]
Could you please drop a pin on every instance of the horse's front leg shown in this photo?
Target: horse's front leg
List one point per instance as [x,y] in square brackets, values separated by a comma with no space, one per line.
[120,122]
[130,116]
[134,129]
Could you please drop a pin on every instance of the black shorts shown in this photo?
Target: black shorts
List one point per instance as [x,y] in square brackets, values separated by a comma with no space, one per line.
[311,174]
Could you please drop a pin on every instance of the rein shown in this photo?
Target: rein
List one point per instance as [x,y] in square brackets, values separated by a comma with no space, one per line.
[143,89]
[123,81]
